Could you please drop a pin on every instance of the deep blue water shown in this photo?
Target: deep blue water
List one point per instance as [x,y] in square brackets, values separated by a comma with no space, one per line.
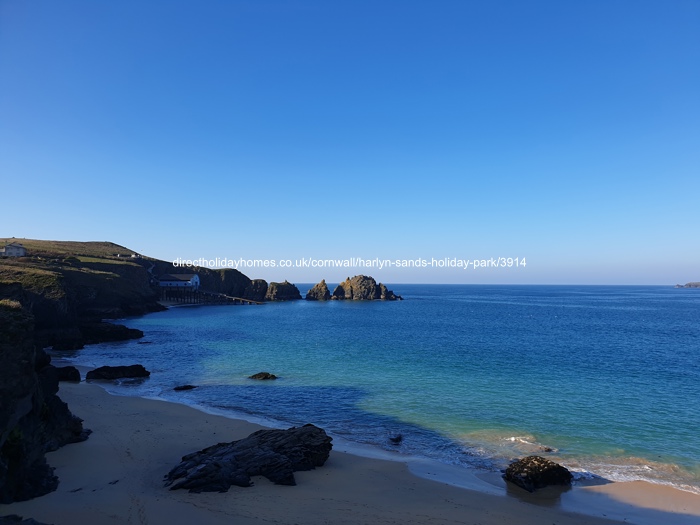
[608,377]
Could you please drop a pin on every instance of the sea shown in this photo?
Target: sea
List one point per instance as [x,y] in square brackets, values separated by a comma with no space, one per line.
[602,379]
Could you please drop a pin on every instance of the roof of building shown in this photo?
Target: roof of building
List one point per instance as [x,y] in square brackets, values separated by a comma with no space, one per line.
[177,277]
[14,245]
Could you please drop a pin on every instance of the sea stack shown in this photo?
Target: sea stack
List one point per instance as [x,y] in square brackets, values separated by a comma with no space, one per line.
[363,288]
[319,292]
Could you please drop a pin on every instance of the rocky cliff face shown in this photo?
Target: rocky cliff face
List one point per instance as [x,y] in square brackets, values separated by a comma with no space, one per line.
[33,420]
[285,291]
[66,294]
[363,288]
[256,291]
[319,292]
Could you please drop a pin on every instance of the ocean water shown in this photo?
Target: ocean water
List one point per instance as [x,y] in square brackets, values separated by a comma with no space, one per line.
[604,379]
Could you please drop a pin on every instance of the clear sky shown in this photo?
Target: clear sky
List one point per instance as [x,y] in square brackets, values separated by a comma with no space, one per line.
[567,133]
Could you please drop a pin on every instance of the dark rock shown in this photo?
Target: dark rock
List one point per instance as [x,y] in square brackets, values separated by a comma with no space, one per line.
[184,387]
[319,292]
[285,291]
[68,373]
[117,372]
[263,376]
[275,454]
[363,288]
[256,290]
[101,332]
[396,439]
[535,472]
[14,519]
[33,419]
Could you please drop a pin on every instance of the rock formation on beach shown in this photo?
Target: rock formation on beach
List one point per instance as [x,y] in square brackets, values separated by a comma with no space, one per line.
[33,420]
[319,292]
[275,454]
[535,472]
[363,288]
[117,372]
[68,373]
[285,291]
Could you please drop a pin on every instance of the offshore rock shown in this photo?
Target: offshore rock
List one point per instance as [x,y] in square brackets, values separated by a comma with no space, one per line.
[117,372]
[275,454]
[319,292]
[363,288]
[285,291]
[184,387]
[68,373]
[33,419]
[536,472]
[263,376]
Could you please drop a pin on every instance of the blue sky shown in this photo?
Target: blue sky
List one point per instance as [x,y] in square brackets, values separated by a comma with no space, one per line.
[564,132]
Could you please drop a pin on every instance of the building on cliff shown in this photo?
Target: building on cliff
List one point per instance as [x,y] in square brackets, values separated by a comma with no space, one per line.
[13,249]
[188,281]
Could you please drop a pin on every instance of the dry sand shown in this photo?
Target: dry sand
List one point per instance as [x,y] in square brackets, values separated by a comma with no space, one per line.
[116,477]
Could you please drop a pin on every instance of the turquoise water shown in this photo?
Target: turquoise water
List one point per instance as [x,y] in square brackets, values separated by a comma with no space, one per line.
[606,377]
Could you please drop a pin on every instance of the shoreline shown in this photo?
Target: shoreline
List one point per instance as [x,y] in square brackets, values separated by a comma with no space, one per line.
[136,441]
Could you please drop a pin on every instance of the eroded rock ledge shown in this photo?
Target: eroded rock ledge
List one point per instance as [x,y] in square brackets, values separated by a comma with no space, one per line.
[275,454]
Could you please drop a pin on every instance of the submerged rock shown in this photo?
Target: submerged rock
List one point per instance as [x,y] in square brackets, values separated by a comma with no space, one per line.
[536,472]
[263,376]
[184,387]
[363,288]
[117,372]
[275,454]
[319,292]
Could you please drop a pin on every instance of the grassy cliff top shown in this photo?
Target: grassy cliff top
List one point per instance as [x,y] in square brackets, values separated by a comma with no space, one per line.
[99,249]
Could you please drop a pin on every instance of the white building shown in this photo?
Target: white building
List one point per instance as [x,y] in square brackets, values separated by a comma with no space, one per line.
[13,249]
[180,280]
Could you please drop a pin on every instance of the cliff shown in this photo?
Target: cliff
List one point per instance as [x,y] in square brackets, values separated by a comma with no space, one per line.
[33,420]
[69,295]
[363,288]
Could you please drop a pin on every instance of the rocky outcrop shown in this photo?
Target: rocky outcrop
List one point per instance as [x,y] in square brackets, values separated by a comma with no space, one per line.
[275,454]
[263,376]
[14,519]
[688,285]
[68,373]
[536,472]
[363,288]
[33,420]
[256,290]
[101,332]
[285,291]
[117,372]
[319,292]
[181,388]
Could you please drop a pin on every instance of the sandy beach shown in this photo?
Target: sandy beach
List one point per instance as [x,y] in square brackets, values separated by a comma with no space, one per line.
[116,477]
